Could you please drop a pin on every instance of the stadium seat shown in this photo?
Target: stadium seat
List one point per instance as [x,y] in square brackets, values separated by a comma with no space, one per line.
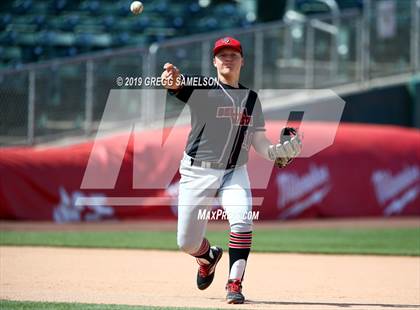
[47,38]
[39,21]
[10,53]
[8,38]
[102,40]
[161,7]
[45,29]
[21,6]
[140,24]
[71,51]
[63,39]
[70,22]
[121,39]
[58,6]
[178,22]
[26,38]
[37,51]
[108,22]
[93,7]
[84,40]
[194,8]
[5,20]
[123,9]
[39,7]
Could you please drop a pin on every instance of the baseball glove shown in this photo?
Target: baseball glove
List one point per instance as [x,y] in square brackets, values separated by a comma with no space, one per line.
[287,149]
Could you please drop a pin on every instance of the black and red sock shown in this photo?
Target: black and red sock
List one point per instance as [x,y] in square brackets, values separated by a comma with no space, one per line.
[203,254]
[239,248]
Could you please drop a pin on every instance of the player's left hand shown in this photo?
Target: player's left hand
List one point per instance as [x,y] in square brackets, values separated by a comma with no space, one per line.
[287,149]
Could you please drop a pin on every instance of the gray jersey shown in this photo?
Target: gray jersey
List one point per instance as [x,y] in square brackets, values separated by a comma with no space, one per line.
[223,121]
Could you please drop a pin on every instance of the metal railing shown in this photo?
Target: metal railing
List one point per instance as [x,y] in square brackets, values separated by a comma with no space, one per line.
[62,98]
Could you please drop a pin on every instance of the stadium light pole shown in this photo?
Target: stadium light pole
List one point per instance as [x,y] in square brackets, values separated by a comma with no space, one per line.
[293,17]
[365,46]
[205,63]
[89,97]
[31,108]
[258,59]
[335,12]
[149,98]
[290,17]
[415,35]
[309,55]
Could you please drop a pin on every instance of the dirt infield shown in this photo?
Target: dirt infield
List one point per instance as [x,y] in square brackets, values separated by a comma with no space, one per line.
[160,278]
[273,281]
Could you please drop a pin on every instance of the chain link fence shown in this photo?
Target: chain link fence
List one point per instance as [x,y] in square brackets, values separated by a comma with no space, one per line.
[60,98]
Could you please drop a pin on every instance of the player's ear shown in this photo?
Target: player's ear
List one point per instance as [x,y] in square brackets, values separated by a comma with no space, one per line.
[242,62]
[214,61]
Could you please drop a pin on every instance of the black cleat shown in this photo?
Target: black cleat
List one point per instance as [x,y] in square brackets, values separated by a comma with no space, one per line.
[234,292]
[205,274]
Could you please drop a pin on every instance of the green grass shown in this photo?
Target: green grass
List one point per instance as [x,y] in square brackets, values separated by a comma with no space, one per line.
[32,305]
[396,241]
[403,241]
[87,239]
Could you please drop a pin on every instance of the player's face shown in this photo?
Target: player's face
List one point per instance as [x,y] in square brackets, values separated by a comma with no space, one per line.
[228,62]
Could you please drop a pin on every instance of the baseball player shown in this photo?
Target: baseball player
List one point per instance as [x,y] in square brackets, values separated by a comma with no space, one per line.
[226,119]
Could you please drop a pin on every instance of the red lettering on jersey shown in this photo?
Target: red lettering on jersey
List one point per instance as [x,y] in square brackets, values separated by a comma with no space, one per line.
[237,116]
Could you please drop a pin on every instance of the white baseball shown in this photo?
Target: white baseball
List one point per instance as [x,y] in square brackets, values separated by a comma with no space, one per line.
[136,7]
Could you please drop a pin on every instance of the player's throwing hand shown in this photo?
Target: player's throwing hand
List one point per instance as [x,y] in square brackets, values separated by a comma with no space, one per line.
[170,77]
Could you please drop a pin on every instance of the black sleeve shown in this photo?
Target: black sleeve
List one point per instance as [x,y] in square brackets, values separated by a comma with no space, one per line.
[182,94]
[258,116]
[185,92]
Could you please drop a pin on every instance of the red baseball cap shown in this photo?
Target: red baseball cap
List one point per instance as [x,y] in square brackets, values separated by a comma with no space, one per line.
[227,42]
